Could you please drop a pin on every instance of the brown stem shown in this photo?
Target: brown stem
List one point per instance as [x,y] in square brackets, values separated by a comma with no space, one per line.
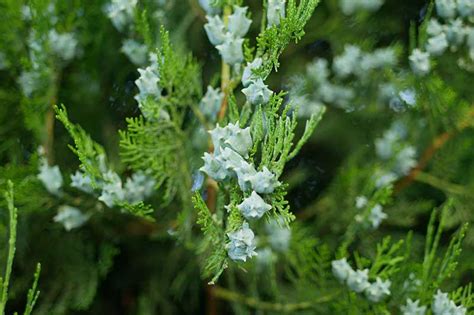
[199,12]
[48,143]
[225,73]
[252,302]
[436,144]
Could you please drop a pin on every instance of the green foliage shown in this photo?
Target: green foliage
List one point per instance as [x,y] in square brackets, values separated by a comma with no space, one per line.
[213,243]
[152,257]
[33,292]
[274,40]
[88,151]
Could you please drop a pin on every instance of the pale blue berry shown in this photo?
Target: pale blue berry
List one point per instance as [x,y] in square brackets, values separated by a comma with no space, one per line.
[341,269]
[455,32]
[215,30]
[51,177]
[211,103]
[70,217]
[376,216]
[361,202]
[466,8]
[437,45]
[358,280]
[413,308]
[242,244]
[248,75]
[264,182]
[257,92]
[420,62]
[231,49]
[239,24]
[446,8]
[139,187]
[63,45]
[279,234]
[82,182]
[435,28]
[147,84]
[275,12]
[214,167]
[253,207]
[136,52]
[378,290]
[112,190]
[245,174]
[208,6]
[239,139]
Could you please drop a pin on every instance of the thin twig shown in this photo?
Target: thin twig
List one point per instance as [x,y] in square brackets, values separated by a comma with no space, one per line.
[441,184]
[435,146]
[229,295]
[50,119]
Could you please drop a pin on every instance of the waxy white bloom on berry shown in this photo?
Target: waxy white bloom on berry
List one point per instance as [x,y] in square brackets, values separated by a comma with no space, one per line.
[347,63]
[257,92]
[264,182]
[275,12]
[82,182]
[245,175]
[434,27]
[239,139]
[147,84]
[358,280]
[136,52]
[242,244]
[208,7]
[455,32]
[30,82]
[361,202]
[378,290]
[231,49]
[112,190]
[376,216]
[231,136]
[215,30]
[248,76]
[413,308]
[379,59]
[341,269]
[211,103]
[231,159]
[408,96]
[442,305]
[279,234]
[63,45]
[437,45]
[466,8]
[383,178]
[239,24]
[254,207]
[70,217]
[406,160]
[420,62]
[121,12]
[139,187]
[214,167]
[51,177]
[351,6]
[446,8]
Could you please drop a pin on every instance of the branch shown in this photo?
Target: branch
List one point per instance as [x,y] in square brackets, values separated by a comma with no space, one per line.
[435,146]
[232,296]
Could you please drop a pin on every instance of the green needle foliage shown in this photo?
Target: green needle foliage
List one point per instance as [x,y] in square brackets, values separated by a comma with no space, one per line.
[237,157]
